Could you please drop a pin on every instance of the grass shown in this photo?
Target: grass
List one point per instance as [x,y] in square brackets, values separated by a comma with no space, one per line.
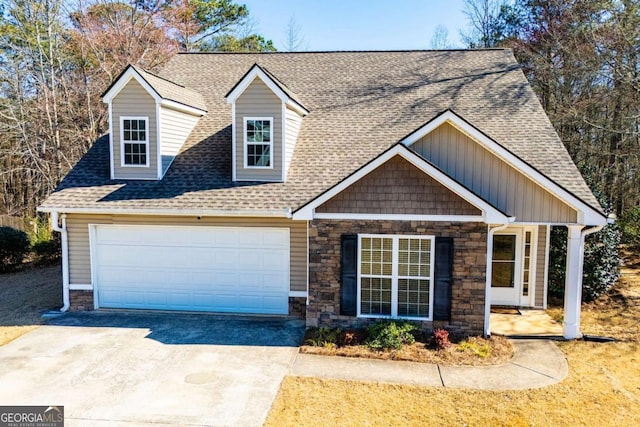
[603,386]
[24,296]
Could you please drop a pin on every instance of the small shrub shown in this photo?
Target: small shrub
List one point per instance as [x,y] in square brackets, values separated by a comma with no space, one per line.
[441,339]
[390,334]
[351,337]
[481,350]
[14,247]
[323,337]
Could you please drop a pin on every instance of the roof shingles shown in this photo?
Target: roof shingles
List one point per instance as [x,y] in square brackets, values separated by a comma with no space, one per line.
[361,103]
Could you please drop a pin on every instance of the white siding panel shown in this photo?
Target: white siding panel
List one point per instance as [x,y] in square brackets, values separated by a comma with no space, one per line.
[292,128]
[175,127]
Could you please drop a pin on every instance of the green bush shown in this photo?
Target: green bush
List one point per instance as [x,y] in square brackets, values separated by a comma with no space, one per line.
[45,243]
[601,261]
[629,223]
[14,247]
[390,334]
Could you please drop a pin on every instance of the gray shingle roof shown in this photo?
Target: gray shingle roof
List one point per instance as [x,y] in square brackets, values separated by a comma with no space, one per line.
[361,103]
[170,90]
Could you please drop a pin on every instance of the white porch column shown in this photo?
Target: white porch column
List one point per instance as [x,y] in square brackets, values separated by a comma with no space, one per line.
[573,282]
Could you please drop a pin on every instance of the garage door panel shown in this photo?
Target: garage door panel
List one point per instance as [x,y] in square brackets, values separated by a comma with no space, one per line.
[244,270]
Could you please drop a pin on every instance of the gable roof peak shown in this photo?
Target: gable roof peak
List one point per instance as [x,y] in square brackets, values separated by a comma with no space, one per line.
[277,87]
[163,90]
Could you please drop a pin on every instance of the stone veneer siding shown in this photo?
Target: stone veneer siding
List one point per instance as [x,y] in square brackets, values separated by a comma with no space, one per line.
[469,270]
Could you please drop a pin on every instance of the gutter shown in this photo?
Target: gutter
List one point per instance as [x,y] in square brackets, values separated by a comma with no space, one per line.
[279,213]
[62,229]
[487,288]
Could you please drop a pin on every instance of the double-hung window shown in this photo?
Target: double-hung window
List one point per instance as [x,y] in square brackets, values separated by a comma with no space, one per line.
[258,142]
[134,141]
[395,276]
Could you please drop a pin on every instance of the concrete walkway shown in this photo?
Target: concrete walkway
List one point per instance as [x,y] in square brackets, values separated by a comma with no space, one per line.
[536,363]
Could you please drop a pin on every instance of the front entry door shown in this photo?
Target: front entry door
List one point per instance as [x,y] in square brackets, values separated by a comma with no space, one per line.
[506,276]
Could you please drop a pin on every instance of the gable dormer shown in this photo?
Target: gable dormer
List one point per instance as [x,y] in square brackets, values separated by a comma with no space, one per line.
[150,118]
[266,120]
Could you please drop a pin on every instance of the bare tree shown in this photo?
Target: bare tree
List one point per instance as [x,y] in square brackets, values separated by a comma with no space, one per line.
[440,38]
[294,39]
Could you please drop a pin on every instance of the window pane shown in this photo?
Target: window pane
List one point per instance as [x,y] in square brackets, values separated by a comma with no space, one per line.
[504,247]
[375,296]
[126,124]
[413,298]
[502,274]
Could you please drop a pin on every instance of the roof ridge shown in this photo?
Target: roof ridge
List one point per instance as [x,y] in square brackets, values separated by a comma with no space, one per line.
[350,51]
[159,77]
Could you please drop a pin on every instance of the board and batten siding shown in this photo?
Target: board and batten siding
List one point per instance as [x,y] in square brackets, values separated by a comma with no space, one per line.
[80,260]
[258,101]
[541,261]
[134,101]
[175,127]
[293,123]
[493,179]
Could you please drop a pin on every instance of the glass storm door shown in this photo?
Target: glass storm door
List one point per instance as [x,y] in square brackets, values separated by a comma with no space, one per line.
[506,273]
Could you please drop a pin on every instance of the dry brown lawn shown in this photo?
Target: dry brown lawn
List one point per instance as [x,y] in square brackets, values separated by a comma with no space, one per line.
[24,296]
[602,389]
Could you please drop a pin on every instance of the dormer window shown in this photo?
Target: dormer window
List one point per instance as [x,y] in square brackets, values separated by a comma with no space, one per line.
[258,142]
[135,141]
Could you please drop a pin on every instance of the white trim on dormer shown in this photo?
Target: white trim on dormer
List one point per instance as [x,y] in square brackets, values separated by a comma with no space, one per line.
[257,72]
[586,213]
[123,80]
[490,214]
[283,131]
[112,173]
[159,141]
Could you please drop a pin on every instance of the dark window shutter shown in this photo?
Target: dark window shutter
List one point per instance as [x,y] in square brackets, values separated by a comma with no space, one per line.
[443,278]
[348,274]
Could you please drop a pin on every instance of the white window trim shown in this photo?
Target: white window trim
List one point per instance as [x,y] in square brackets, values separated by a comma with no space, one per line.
[395,276]
[146,141]
[246,143]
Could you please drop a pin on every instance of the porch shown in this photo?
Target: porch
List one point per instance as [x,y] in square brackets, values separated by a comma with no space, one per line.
[522,322]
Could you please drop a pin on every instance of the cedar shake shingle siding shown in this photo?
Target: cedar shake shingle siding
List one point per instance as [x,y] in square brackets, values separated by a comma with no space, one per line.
[398,187]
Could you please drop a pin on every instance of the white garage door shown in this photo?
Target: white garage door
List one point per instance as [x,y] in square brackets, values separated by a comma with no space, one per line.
[220,269]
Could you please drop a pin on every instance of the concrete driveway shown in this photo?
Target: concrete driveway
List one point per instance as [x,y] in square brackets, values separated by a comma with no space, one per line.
[130,369]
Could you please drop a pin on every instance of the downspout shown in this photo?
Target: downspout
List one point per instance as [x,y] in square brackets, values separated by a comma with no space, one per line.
[62,229]
[487,289]
[583,234]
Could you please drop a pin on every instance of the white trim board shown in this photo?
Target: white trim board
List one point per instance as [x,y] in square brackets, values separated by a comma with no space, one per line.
[490,214]
[586,213]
